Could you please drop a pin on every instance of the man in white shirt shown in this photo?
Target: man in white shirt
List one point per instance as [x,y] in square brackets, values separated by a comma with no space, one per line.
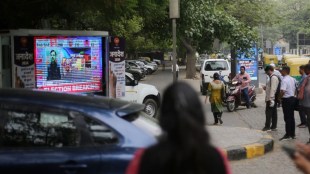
[288,103]
[272,91]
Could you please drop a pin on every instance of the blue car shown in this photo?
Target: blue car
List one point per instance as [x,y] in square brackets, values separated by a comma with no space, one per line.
[48,132]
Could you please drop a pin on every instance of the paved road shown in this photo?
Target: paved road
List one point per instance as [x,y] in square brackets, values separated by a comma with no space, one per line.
[271,163]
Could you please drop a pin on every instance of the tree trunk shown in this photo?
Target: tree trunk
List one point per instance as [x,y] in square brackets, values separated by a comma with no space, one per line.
[191,59]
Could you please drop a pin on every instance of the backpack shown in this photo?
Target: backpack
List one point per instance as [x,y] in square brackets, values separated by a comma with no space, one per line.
[277,95]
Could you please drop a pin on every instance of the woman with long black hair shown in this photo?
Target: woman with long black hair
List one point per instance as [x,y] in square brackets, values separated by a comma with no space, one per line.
[184,147]
[215,92]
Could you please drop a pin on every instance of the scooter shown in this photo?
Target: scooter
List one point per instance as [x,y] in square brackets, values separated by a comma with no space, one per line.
[235,97]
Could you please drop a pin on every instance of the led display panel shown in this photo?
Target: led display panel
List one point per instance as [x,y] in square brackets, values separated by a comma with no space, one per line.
[68,64]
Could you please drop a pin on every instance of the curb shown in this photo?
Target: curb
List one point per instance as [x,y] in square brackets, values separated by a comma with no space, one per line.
[249,151]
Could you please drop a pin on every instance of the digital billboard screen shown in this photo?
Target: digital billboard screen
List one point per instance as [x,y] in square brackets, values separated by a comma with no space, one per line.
[68,64]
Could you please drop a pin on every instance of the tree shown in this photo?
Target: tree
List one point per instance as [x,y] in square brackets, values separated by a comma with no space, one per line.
[204,20]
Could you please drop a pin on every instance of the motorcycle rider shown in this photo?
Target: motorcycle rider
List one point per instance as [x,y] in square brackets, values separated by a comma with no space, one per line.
[245,79]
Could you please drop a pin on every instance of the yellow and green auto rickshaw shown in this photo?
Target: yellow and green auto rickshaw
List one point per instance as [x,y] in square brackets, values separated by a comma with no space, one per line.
[270,58]
[285,57]
[294,65]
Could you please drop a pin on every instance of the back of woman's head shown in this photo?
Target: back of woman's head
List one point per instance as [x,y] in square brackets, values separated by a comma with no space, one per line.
[182,115]
[185,149]
[216,76]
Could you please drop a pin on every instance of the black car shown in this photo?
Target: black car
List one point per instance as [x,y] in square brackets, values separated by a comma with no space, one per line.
[48,132]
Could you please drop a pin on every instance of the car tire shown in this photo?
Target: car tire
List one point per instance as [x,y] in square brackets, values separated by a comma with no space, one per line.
[150,70]
[151,107]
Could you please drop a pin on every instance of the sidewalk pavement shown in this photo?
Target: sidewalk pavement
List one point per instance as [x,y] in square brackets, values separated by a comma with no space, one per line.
[238,143]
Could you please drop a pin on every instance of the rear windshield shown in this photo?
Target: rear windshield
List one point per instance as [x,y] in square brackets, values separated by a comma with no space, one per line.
[216,65]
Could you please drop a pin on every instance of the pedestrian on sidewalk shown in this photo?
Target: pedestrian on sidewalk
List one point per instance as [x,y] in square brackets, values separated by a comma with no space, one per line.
[272,94]
[215,92]
[288,103]
[184,146]
[176,70]
[302,114]
[304,96]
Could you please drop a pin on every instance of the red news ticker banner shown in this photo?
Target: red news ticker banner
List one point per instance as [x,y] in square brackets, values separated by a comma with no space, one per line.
[77,87]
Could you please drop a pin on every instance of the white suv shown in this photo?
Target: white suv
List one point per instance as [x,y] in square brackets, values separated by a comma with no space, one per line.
[142,93]
[211,66]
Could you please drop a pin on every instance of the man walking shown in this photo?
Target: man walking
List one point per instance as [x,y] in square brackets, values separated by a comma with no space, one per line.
[287,92]
[272,91]
[176,70]
[302,115]
[245,79]
[304,96]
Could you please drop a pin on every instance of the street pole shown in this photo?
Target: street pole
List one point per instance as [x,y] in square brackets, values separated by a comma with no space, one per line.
[298,43]
[174,37]
[174,13]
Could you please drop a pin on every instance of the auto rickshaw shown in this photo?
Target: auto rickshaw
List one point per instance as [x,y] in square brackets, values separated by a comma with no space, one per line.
[294,65]
[270,58]
[289,56]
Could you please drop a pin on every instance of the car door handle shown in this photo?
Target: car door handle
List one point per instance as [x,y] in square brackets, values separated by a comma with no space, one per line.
[73,166]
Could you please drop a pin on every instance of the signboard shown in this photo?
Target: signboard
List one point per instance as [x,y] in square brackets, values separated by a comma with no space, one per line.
[23,62]
[249,60]
[68,64]
[117,67]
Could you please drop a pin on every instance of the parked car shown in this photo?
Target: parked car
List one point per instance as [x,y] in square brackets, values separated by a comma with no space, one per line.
[209,67]
[144,94]
[136,72]
[150,64]
[48,132]
[135,65]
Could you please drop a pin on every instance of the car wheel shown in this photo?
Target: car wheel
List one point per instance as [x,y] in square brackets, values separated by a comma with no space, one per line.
[150,107]
[150,70]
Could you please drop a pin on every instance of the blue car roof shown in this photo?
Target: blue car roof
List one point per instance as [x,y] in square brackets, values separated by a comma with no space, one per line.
[121,107]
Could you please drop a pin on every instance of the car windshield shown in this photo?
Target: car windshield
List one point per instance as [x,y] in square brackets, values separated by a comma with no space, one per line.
[148,124]
[216,65]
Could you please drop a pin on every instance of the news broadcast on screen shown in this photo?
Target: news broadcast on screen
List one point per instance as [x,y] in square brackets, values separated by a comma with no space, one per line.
[68,64]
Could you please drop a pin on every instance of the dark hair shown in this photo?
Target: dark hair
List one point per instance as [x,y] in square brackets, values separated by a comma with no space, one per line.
[302,67]
[287,69]
[269,67]
[242,67]
[216,76]
[53,51]
[307,67]
[185,146]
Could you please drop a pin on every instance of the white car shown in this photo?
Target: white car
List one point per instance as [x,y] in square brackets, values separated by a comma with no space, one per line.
[211,66]
[142,93]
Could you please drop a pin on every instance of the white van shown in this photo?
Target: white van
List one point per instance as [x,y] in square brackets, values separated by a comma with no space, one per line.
[211,66]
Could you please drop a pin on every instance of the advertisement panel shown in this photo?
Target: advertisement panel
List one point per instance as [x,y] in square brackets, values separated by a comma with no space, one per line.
[117,67]
[23,62]
[249,60]
[68,64]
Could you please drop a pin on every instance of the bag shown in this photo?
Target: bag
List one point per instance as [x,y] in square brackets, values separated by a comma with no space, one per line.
[277,94]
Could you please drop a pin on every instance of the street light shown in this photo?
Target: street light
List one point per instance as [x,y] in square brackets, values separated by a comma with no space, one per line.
[174,13]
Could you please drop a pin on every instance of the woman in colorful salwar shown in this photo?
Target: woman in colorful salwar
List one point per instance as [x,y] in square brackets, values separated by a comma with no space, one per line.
[215,92]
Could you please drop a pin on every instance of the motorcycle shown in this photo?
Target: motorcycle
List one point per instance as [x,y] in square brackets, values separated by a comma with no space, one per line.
[235,97]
